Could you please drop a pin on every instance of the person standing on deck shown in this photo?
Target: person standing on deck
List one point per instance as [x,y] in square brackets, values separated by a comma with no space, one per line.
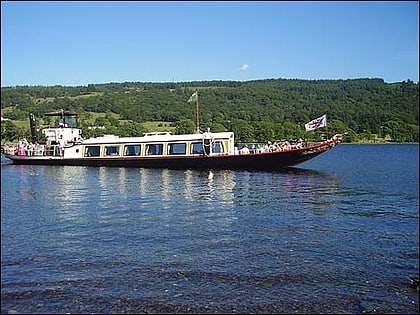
[61,144]
[207,141]
[21,147]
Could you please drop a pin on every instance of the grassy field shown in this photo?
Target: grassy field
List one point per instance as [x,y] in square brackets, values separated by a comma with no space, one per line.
[49,99]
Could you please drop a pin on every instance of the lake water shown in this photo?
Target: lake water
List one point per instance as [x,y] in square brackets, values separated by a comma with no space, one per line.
[339,234]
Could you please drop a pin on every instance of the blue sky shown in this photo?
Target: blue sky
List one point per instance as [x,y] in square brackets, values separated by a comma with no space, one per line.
[78,43]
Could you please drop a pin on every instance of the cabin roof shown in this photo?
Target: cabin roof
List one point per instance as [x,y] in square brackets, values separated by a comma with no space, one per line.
[158,137]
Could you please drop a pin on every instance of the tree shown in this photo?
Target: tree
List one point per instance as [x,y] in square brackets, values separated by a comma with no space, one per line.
[9,132]
[185,126]
[243,130]
[395,130]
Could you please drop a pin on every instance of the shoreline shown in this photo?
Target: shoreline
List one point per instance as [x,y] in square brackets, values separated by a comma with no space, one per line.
[376,142]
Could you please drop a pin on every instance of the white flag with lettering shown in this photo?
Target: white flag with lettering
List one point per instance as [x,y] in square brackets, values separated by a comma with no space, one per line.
[316,123]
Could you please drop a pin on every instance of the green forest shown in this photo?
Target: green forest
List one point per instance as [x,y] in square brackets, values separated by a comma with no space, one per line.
[365,110]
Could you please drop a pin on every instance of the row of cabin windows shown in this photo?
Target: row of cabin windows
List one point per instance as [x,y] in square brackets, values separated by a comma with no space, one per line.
[152,149]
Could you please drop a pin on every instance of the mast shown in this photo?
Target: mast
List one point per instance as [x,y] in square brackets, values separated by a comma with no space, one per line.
[194,97]
[198,112]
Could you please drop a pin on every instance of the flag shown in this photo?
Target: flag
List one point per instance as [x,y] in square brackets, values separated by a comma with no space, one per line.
[193,98]
[316,123]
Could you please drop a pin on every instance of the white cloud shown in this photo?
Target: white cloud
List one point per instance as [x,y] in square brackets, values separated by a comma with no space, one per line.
[243,68]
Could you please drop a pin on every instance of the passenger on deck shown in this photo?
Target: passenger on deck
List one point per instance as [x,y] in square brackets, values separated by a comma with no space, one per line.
[30,149]
[207,141]
[61,144]
[299,144]
[244,150]
[22,146]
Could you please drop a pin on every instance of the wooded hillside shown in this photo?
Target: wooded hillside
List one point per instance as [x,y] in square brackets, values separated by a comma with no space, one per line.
[257,110]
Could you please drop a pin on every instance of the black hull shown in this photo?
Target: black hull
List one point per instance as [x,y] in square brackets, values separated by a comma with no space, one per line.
[259,161]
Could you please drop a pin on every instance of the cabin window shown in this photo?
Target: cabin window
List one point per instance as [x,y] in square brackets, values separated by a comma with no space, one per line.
[177,148]
[112,150]
[132,149]
[217,147]
[92,150]
[154,149]
[197,148]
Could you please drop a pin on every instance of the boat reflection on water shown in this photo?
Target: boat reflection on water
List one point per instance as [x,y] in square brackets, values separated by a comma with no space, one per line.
[78,192]
[71,185]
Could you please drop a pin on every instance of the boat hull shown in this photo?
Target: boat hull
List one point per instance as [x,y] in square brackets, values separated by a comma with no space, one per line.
[258,161]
